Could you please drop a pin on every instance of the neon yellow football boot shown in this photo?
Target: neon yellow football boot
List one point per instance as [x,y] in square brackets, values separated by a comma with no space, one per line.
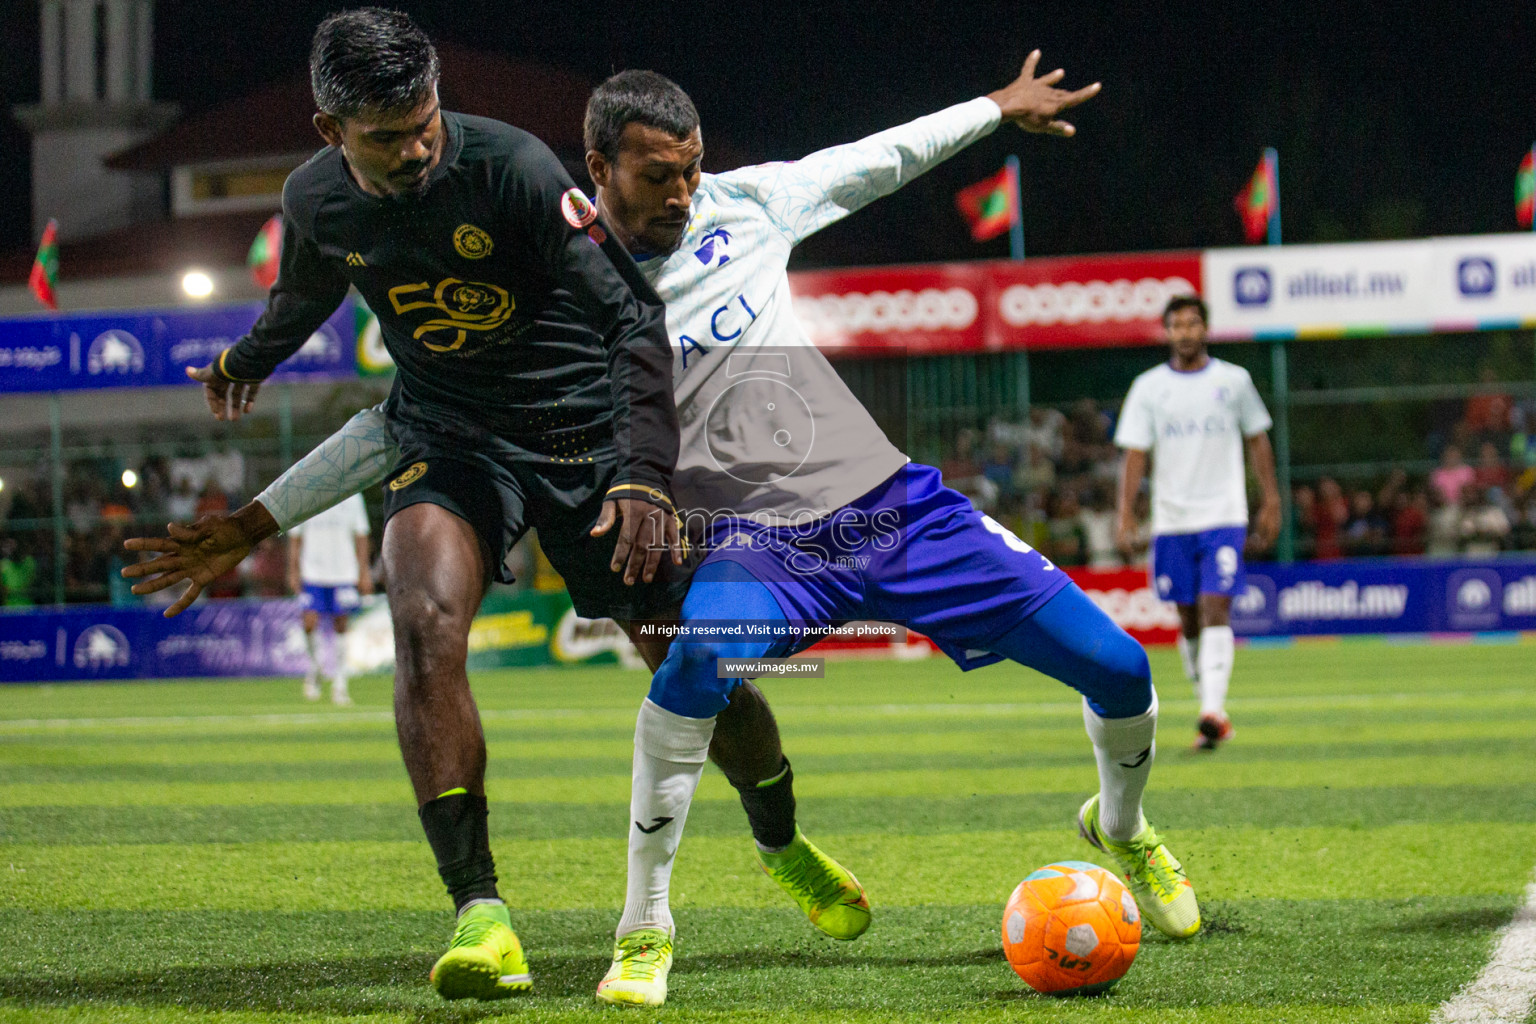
[638,976]
[827,892]
[1156,877]
[484,960]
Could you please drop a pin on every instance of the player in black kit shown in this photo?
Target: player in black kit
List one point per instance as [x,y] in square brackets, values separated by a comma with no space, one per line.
[534,390]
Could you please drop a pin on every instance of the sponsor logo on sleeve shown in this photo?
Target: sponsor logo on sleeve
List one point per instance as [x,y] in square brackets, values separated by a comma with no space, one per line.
[577,209]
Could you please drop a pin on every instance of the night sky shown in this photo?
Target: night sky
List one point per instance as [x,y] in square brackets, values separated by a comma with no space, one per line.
[1392,120]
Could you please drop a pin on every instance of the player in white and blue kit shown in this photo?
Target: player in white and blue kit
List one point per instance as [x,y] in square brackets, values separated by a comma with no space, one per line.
[1194,415]
[811,515]
[328,570]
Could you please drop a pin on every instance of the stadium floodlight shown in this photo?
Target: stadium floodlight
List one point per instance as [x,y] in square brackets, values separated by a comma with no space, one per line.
[130,479]
[2,483]
[197,284]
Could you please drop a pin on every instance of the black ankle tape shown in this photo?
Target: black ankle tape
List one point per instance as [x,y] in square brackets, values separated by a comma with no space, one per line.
[771,809]
[458,830]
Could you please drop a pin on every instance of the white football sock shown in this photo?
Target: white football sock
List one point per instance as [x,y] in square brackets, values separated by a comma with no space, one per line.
[1217,647]
[314,656]
[1189,654]
[1125,749]
[670,751]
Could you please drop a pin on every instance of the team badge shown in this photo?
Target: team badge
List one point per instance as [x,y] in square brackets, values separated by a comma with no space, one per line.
[577,209]
[471,242]
[410,476]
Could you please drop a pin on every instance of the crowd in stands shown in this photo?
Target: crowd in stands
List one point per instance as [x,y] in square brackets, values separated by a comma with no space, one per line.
[107,499]
[1053,481]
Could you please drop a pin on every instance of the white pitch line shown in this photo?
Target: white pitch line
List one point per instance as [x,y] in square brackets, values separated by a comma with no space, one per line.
[1503,992]
[1362,700]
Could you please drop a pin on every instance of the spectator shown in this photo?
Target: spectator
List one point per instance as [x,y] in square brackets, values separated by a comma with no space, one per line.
[962,465]
[1044,431]
[999,470]
[1037,476]
[1490,470]
[1098,522]
[1443,537]
[1488,412]
[1451,476]
[181,506]
[1329,514]
[18,574]
[1410,522]
[1304,518]
[1068,543]
[1365,532]
[213,499]
[1484,527]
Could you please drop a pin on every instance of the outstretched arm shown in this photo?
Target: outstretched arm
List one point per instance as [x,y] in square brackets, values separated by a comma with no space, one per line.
[806,195]
[354,458]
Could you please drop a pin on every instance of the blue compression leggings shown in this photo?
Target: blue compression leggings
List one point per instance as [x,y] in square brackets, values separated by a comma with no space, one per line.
[1068,638]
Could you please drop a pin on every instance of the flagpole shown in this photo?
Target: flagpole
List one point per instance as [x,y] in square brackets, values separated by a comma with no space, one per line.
[1272,157]
[1016,222]
[1533,171]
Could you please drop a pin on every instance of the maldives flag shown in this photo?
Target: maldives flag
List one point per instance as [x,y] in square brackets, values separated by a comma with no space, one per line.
[45,269]
[1525,189]
[266,251]
[1256,202]
[991,205]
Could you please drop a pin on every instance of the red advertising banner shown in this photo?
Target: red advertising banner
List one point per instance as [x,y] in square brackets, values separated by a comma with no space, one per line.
[1071,302]
[1087,301]
[1126,595]
[938,307]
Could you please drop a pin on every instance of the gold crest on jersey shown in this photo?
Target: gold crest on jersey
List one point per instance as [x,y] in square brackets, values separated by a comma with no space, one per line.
[471,242]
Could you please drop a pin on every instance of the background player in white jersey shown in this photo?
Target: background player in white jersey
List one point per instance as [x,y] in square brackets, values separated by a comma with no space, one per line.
[328,570]
[1193,416]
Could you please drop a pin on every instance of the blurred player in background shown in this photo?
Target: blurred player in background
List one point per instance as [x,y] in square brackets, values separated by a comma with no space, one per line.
[1193,416]
[328,570]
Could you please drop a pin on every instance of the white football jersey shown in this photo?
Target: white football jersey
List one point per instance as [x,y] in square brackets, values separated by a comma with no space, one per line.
[328,554]
[1194,424]
[767,426]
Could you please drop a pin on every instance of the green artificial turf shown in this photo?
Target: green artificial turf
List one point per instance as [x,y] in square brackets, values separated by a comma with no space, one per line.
[223,852]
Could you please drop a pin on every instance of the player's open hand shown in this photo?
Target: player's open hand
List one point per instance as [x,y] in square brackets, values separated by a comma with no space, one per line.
[647,532]
[1266,527]
[226,399]
[199,553]
[1033,103]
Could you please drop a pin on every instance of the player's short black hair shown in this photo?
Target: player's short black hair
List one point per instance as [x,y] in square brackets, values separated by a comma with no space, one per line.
[632,96]
[1194,302]
[373,59]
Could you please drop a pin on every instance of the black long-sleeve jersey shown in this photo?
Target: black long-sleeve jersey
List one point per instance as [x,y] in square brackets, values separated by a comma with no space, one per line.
[516,321]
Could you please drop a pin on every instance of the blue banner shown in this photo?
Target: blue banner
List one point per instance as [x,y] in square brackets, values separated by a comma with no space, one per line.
[1387,596]
[152,347]
[217,638]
